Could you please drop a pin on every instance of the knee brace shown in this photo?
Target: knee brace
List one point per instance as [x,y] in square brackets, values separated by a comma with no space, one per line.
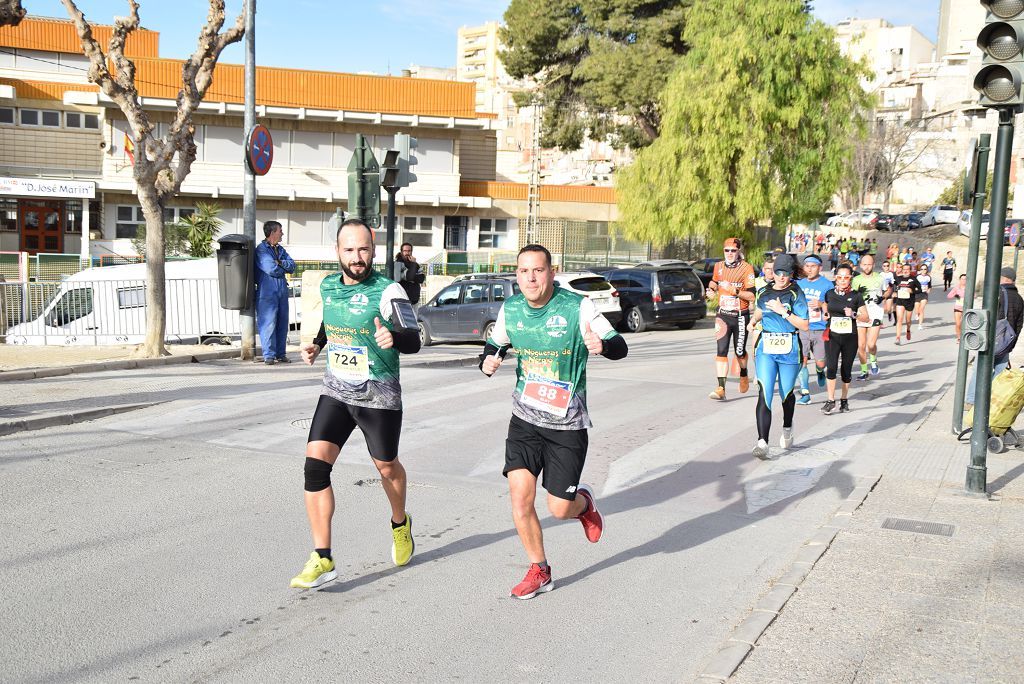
[318,474]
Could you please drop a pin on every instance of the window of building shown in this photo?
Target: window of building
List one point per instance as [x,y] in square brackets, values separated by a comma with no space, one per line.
[435,155]
[40,117]
[494,233]
[79,120]
[6,115]
[9,215]
[223,144]
[129,218]
[73,220]
[175,214]
[418,231]
[311,149]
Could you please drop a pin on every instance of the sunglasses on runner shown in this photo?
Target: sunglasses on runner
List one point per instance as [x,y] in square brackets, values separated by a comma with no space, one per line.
[731,250]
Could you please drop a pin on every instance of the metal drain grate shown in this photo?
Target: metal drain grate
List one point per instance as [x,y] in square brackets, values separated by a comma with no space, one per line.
[919,526]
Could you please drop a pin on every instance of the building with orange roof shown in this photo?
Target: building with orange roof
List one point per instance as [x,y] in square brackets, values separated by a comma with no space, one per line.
[66,182]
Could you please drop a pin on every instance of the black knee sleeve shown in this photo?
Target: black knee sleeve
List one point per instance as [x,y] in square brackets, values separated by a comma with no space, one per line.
[318,474]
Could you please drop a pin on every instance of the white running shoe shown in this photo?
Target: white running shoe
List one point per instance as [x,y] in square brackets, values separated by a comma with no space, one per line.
[761,450]
[786,440]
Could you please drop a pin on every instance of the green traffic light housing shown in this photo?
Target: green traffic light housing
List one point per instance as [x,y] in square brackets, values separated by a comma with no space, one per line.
[1001,40]
[389,169]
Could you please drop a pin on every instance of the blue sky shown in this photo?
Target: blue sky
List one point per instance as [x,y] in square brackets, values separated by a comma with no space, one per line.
[354,35]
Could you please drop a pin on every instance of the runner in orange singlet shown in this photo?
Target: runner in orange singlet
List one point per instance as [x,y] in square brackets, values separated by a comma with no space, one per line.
[733,280]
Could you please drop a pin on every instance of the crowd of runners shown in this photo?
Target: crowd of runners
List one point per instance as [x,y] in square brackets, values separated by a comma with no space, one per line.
[796,320]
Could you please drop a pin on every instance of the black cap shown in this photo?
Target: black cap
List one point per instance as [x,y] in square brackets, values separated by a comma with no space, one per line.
[784,263]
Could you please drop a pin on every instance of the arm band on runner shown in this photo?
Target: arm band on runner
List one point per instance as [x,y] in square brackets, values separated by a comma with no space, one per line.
[615,348]
[321,337]
[406,341]
[490,350]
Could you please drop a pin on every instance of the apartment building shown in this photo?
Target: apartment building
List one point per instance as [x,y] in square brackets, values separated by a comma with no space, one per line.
[66,180]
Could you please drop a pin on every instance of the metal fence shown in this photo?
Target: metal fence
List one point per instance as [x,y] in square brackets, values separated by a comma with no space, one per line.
[82,312]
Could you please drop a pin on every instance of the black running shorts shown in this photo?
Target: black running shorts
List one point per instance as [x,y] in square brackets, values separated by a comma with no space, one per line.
[731,331]
[333,421]
[559,454]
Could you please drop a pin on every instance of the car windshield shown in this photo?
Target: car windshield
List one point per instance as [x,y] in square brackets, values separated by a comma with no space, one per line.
[946,207]
[590,284]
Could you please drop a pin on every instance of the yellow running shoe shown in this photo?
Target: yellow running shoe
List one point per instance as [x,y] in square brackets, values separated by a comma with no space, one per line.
[317,571]
[403,546]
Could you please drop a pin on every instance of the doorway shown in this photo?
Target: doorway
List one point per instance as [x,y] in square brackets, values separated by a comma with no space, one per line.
[41,224]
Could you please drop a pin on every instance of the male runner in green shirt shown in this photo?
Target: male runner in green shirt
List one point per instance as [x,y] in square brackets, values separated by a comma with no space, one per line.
[367,321]
[554,332]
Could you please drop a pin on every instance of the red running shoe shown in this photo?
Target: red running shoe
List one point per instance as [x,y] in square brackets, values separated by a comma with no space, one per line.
[593,521]
[537,581]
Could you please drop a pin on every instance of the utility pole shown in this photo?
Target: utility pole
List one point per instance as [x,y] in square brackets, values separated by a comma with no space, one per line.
[248,316]
[978,195]
[533,192]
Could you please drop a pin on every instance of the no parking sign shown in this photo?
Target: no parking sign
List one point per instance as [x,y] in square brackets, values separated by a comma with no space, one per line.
[259,150]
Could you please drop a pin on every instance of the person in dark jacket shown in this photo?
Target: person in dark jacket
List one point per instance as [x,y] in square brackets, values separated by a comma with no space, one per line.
[407,273]
[272,263]
[1011,308]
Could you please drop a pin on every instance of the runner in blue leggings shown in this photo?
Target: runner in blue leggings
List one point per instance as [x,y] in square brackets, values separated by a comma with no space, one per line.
[782,310]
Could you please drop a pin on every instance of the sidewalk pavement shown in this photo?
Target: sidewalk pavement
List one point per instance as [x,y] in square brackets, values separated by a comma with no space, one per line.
[884,604]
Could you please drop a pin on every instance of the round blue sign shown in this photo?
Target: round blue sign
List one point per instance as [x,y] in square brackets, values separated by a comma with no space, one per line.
[1014,233]
[259,152]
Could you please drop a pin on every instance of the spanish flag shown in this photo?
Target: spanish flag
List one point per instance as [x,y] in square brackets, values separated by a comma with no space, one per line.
[129,149]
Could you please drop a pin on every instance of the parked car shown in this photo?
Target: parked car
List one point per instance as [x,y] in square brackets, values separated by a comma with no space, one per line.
[704,269]
[859,218]
[465,310]
[659,292]
[963,224]
[585,283]
[885,221]
[911,221]
[837,219]
[940,213]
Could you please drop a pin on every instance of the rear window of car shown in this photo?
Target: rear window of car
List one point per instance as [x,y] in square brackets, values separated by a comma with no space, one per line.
[630,279]
[946,207]
[678,280]
[590,284]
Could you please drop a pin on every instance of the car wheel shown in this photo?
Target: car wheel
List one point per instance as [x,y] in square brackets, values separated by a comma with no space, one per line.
[686,325]
[425,339]
[635,320]
[488,330]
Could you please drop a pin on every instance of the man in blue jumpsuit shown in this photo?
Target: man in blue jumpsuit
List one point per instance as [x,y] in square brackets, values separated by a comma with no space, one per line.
[272,263]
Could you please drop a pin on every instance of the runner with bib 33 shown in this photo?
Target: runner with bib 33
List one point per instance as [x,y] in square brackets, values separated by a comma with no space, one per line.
[782,310]
[554,332]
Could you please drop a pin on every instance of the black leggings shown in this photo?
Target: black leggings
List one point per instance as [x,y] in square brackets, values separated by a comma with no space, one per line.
[840,345]
[764,413]
[947,279]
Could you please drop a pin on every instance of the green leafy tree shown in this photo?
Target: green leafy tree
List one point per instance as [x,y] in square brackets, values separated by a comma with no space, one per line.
[758,120]
[200,227]
[599,64]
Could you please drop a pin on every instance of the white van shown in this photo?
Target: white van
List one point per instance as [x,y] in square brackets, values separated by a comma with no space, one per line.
[107,305]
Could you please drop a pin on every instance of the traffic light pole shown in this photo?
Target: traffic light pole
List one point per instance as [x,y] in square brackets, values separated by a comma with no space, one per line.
[389,260]
[977,213]
[977,470]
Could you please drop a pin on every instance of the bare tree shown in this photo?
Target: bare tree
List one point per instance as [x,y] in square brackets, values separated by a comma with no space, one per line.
[161,163]
[11,12]
[902,148]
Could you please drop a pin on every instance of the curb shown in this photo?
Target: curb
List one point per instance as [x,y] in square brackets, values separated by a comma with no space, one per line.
[738,646]
[121,364]
[55,419]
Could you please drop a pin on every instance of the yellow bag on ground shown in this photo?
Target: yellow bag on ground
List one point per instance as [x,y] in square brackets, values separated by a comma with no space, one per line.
[1007,400]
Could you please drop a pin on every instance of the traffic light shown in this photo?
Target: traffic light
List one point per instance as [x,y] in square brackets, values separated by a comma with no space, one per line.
[1001,41]
[406,146]
[975,335]
[389,169]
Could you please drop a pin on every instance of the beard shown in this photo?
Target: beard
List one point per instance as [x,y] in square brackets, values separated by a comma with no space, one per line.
[358,277]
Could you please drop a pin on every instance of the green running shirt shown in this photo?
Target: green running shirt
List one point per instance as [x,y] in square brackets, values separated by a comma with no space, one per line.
[360,373]
[551,370]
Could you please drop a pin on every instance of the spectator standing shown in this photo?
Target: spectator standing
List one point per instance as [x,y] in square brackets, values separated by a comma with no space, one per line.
[407,273]
[272,265]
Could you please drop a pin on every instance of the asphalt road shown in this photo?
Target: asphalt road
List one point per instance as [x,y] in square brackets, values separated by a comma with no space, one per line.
[157,545]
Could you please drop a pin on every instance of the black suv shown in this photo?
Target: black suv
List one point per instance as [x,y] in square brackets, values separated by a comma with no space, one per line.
[658,292]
